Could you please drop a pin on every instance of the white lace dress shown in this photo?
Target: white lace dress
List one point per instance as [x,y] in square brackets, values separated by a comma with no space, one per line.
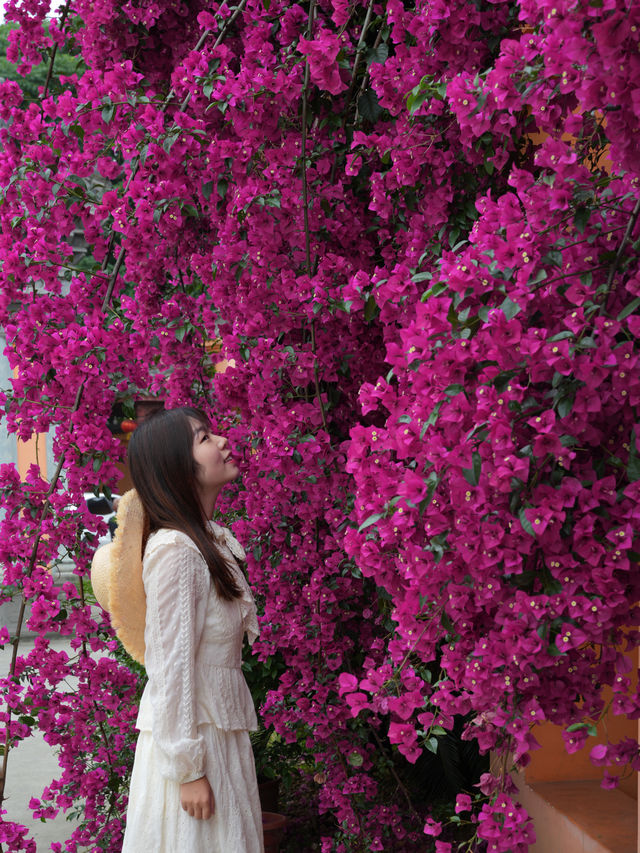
[196,710]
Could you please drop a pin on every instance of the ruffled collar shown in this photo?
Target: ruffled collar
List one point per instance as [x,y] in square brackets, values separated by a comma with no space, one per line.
[247,605]
[226,537]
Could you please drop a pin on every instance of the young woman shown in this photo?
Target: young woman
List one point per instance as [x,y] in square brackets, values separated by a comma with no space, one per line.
[193,787]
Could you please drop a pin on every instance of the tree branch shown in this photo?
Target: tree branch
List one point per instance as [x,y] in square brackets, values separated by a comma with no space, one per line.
[54,51]
[625,239]
[32,561]
[305,214]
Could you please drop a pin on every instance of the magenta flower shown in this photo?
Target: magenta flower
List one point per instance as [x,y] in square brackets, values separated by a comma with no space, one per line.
[432,827]
[322,53]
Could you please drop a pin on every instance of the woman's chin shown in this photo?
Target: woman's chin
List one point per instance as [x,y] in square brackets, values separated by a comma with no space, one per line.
[233,471]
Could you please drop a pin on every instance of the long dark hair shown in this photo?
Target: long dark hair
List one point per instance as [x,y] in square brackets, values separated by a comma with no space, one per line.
[163,471]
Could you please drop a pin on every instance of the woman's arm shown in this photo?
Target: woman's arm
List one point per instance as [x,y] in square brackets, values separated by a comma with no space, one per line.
[177,584]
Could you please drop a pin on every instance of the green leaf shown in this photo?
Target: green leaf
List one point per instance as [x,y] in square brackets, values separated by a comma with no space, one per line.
[633,463]
[561,336]
[509,308]
[378,54]
[419,94]
[477,465]
[629,309]
[432,745]
[526,524]
[369,106]
[581,217]
[370,521]
[554,258]
[370,308]
[565,405]
[453,390]
[207,189]
[108,112]
[542,630]
[540,276]
[355,759]
[169,140]
[77,180]
[472,475]
[78,131]
[438,288]
[433,417]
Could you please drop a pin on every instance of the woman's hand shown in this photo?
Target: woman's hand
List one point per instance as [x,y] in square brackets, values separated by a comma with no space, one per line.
[196,798]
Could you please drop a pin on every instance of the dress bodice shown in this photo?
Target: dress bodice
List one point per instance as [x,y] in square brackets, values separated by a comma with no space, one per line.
[193,641]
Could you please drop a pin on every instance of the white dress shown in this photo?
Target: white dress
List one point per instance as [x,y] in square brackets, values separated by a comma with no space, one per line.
[196,710]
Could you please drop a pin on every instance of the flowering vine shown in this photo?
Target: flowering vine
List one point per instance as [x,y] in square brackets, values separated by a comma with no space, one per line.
[414,228]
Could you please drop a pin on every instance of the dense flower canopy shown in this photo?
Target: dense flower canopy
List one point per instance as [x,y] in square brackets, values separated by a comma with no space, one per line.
[414,228]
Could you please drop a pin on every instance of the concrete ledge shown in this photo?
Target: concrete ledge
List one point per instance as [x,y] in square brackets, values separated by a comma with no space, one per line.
[580,817]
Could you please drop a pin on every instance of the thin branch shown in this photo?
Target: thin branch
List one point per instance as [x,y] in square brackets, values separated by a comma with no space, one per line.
[361,43]
[399,782]
[305,188]
[627,234]
[353,85]
[343,762]
[54,51]
[365,76]
[316,376]
[305,214]
[113,277]
[32,561]
[136,162]
[547,281]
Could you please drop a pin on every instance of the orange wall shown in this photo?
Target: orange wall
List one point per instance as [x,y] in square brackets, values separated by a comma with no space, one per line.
[552,763]
[32,452]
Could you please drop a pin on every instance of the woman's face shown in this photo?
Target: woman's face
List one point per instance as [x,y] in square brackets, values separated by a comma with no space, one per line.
[215,465]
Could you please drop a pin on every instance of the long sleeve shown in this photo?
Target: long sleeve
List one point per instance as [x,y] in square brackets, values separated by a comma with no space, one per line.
[177,584]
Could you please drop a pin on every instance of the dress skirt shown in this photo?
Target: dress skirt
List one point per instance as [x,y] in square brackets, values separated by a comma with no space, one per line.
[156,822]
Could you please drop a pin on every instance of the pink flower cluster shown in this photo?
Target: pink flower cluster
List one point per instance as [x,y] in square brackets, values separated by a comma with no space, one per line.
[429,297]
